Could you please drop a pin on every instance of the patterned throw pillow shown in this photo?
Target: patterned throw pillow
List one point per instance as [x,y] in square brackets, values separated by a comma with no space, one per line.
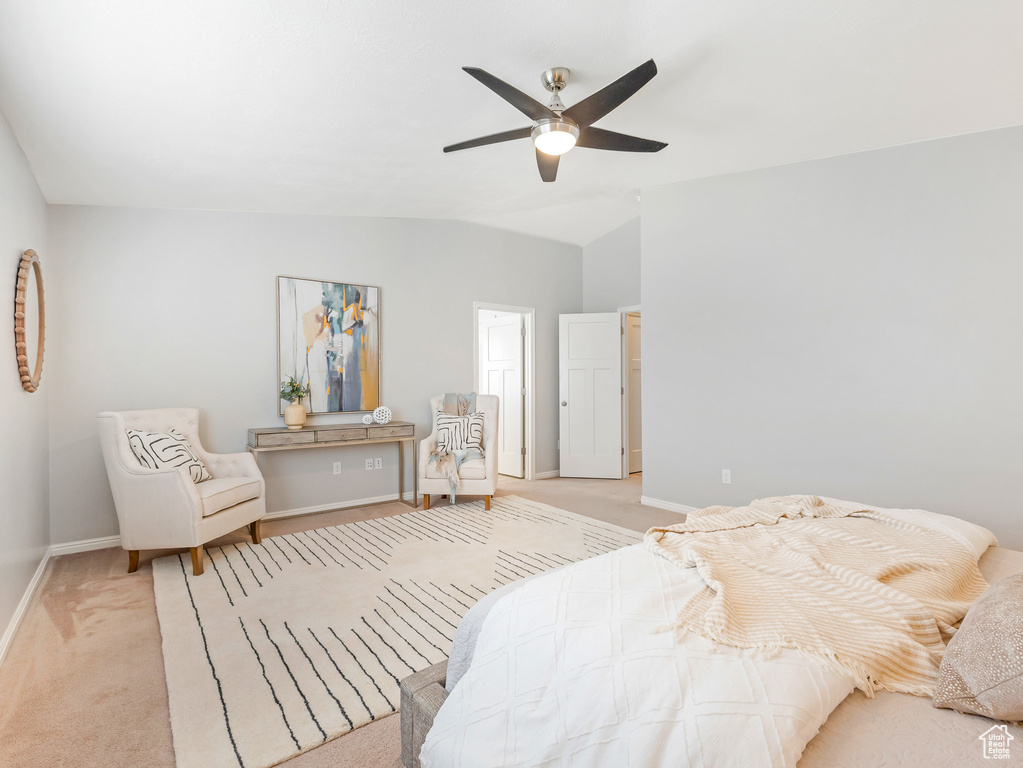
[459,433]
[982,670]
[158,450]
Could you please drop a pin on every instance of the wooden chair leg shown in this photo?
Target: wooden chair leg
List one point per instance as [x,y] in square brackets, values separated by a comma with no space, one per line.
[133,560]
[486,502]
[426,501]
[254,532]
[197,563]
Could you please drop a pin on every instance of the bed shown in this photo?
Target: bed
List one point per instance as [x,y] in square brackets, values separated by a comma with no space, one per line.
[809,714]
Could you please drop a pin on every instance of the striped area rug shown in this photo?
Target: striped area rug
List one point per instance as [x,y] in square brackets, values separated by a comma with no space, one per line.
[281,647]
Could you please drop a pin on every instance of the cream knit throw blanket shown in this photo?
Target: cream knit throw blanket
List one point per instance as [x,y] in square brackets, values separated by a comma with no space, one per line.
[853,588]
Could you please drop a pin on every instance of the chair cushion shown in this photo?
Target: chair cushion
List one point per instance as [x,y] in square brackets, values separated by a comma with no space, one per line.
[471,469]
[159,450]
[224,492]
[459,433]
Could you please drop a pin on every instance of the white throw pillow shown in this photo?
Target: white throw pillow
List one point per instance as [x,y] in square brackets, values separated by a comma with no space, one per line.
[158,450]
[459,433]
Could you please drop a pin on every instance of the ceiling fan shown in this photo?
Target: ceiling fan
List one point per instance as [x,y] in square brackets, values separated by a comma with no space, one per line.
[555,130]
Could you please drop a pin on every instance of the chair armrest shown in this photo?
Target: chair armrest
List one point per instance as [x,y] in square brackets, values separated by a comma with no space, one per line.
[232,465]
[155,507]
[426,447]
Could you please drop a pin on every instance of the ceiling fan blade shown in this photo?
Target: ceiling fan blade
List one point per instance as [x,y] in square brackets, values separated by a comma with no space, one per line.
[598,138]
[548,165]
[494,138]
[527,105]
[592,108]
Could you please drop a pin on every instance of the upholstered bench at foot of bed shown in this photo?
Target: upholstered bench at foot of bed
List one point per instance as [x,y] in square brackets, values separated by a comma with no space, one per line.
[421,697]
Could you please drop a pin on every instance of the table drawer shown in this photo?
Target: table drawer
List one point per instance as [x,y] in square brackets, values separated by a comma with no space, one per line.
[386,430]
[284,438]
[336,435]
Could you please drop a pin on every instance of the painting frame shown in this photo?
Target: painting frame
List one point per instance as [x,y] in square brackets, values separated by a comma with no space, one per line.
[337,324]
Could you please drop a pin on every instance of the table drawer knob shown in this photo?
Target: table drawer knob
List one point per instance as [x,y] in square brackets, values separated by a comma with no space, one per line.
[288,439]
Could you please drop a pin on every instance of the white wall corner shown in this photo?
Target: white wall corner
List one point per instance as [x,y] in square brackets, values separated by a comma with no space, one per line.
[682,509]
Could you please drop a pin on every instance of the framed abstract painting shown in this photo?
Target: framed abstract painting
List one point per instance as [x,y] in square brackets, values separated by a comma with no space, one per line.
[328,340]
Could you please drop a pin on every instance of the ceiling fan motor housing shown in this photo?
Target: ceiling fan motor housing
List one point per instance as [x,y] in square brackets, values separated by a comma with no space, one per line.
[555,78]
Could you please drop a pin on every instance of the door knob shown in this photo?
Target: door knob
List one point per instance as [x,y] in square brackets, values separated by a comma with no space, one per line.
[564,402]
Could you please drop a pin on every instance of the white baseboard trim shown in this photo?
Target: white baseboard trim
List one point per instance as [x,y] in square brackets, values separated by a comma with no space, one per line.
[298,511]
[54,550]
[547,475]
[85,545]
[19,612]
[671,506]
[103,542]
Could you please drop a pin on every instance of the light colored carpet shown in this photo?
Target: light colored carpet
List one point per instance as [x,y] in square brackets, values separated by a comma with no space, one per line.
[83,682]
[281,647]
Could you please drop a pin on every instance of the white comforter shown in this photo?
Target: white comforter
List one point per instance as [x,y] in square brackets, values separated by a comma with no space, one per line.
[572,670]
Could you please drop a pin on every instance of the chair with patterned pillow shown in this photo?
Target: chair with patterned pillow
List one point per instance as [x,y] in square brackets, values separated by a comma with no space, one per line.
[477,476]
[169,492]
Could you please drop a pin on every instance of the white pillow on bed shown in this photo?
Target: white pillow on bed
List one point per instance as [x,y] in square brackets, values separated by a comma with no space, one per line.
[974,537]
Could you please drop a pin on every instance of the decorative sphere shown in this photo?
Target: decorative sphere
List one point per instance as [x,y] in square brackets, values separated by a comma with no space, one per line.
[367,419]
[382,415]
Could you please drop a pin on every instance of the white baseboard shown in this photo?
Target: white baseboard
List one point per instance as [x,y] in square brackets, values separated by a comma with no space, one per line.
[103,542]
[547,475]
[19,612]
[333,506]
[671,506]
[85,545]
[54,550]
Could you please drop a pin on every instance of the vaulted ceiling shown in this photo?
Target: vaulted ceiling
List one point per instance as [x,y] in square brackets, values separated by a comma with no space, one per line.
[331,107]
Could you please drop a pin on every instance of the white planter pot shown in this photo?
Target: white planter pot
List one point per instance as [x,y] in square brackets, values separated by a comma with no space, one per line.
[294,416]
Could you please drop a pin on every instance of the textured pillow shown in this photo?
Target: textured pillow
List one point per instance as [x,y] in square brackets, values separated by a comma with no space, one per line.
[158,450]
[459,433]
[982,671]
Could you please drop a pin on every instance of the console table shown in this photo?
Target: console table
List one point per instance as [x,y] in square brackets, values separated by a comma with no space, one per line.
[334,435]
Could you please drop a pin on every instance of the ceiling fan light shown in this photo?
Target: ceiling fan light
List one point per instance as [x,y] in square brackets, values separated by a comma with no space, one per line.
[555,137]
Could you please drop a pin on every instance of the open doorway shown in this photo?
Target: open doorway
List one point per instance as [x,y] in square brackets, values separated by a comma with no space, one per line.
[504,367]
[632,391]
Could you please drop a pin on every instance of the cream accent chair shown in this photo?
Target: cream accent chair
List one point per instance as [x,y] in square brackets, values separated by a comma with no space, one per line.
[163,508]
[477,477]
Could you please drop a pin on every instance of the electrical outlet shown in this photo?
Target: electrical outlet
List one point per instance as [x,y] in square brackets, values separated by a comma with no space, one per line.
[726,476]
[378,463]
[337,467]
[369,463]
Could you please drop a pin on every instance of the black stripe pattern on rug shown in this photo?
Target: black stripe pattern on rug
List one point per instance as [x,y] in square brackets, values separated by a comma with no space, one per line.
[283,646]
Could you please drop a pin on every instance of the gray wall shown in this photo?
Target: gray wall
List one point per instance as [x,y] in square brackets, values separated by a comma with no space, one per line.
[611,270]
[849,327]
[24,504]
[161,308]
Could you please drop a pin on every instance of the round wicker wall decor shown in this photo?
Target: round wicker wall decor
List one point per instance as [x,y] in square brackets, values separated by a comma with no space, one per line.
[22,316]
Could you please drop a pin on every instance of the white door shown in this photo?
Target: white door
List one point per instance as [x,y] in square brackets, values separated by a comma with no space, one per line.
[634,370]
[590,402]
[501,374]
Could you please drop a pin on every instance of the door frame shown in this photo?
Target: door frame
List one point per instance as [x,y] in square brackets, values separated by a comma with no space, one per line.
[624,313]
[529,370]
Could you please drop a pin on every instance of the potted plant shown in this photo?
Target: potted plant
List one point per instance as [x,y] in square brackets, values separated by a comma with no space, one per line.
[293,392]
